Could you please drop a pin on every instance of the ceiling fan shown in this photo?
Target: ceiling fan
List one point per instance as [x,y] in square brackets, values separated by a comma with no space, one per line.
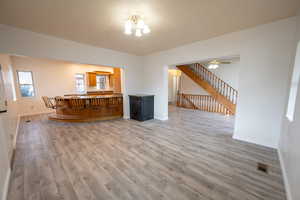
[214,64]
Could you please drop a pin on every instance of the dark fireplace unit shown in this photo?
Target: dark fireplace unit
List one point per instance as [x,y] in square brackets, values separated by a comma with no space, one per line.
[141,107]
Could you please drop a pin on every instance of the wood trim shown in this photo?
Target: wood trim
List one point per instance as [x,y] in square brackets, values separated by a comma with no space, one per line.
[102,73]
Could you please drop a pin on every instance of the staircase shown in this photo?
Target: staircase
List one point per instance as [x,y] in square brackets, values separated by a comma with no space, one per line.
[220,91]
[201,102]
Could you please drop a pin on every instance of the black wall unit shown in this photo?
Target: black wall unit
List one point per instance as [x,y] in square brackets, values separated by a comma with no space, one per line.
[141,107]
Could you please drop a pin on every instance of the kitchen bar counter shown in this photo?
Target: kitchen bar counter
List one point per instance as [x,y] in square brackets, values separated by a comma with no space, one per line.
[93,93]
[92,96]
[88,108]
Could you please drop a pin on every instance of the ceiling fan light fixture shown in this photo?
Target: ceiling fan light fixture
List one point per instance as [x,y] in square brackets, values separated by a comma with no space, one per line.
[213,66]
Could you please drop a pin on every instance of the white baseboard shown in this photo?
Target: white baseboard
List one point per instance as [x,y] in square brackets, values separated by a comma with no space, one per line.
[155,117]
[6,185]
[164,118]
[285,178]
[253,142]
[17,132]
[36,113]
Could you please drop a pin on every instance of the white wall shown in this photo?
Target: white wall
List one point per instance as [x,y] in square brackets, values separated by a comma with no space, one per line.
[289,148]
[51,78]
[4,160]
[229,73]
[10,117]
[8,125]
[265,52]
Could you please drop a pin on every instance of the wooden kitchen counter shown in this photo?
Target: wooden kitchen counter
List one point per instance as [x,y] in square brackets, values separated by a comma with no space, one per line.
[88,108]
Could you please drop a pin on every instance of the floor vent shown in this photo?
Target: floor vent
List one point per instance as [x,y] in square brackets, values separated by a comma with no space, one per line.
[262,167]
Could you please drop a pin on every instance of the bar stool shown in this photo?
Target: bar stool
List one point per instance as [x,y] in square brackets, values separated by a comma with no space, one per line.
[77,104]
[59,101]
[98,103]
[49,102]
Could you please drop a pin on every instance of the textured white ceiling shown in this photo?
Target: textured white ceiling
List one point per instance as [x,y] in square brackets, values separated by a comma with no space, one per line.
[173,22]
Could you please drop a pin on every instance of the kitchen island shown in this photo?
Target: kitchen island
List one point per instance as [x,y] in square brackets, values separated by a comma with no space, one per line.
[87,108]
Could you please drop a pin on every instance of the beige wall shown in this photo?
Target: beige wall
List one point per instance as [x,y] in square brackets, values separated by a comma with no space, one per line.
[173,81]
[51,78]
[188,86]
[171,93]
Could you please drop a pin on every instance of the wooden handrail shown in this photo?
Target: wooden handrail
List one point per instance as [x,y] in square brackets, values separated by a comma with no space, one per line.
[218,84]
[201,102]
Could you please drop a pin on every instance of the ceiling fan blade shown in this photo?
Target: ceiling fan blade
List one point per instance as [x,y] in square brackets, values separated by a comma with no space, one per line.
[225,62]
[214,62]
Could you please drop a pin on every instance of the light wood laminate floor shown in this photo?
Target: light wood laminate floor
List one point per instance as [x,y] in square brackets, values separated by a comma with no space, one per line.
[190,156]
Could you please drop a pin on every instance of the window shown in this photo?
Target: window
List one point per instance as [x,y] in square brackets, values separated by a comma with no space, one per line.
[79,82]
[26,83]
[101,82]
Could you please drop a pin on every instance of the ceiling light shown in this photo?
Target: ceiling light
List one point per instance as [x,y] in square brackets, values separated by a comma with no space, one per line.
[137,24]
[128,24]
[128,31]
[146,29]
[128,27]
[140,24]
[138,33]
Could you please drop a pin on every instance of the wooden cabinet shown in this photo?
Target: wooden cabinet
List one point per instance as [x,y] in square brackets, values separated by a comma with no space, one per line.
[91,79]
[114,79]
[141,107]
[117,80]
